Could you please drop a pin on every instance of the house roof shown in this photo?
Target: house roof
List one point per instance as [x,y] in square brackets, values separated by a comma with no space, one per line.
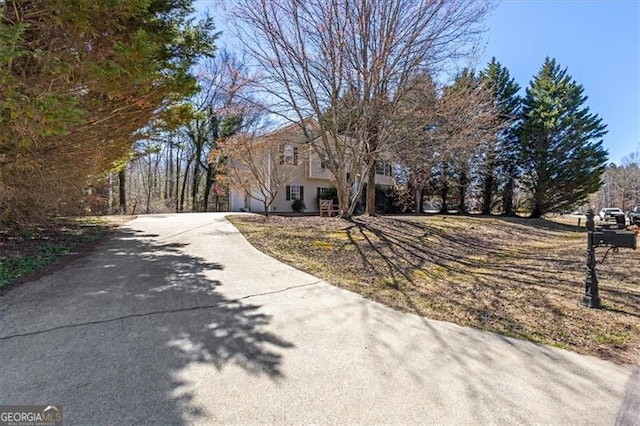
[294,132]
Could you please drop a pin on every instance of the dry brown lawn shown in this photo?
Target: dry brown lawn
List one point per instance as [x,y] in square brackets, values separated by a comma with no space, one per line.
[518,277]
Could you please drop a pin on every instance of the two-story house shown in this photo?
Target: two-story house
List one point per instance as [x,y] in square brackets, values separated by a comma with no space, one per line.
[309,177]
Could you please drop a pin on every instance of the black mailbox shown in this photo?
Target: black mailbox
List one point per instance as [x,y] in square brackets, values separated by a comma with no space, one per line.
[614,239]
[611,238]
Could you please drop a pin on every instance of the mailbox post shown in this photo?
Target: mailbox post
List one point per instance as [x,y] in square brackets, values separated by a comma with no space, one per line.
[591,294]
[614,239]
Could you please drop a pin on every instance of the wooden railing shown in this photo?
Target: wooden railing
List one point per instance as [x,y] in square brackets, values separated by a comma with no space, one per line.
[327,207]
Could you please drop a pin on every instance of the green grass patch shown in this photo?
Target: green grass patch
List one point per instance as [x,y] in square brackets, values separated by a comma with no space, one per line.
[616,338]
[25,251]
[14,268]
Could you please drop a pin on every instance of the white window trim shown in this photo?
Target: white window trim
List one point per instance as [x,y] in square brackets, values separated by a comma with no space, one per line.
[295,192]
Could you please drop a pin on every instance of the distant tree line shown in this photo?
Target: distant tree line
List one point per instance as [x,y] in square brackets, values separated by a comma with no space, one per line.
[621,185]
[124,108]
[536,154]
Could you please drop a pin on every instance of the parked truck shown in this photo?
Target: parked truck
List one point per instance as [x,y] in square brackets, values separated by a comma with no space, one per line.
[610,213]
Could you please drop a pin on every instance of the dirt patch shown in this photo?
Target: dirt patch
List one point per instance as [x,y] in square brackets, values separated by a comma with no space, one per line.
[519,277]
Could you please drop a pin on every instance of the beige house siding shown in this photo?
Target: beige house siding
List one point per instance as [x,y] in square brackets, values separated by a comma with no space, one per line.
[309,174]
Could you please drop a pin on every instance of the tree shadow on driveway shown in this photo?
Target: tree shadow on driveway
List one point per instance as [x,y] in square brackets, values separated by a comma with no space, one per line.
[112,336]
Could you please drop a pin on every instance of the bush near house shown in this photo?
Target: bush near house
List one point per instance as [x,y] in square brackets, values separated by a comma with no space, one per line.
[395,199]
[299,206]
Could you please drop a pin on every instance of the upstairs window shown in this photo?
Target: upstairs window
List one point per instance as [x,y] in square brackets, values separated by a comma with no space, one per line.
[289,155]
[383,168]
[324,161]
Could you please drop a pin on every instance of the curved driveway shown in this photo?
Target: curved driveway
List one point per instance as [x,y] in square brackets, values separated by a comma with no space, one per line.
[178,320]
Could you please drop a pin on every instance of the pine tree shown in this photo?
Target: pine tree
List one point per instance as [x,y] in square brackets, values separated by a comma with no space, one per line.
[561,142]
[498,169]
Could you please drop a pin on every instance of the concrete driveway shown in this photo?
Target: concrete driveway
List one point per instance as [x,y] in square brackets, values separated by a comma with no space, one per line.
[178,320]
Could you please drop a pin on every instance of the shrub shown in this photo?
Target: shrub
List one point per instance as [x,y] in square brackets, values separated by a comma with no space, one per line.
[299,206]
[393,200]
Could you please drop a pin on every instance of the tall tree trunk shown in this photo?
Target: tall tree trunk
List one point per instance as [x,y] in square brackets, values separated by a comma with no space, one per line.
[122,186]
[417,199]
[168,164]
[196,178]
[487,193]
[371,190]
[343,201]
[110,197]
[184,184]
[177,182]
[150,180]
[170,173]
[537,210]
[207,188]
[507,198]
[156,177]
[463,184]
[444,193]
[194,188]
[538,202]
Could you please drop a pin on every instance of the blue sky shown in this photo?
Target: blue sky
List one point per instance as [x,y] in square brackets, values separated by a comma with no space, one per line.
[598,41]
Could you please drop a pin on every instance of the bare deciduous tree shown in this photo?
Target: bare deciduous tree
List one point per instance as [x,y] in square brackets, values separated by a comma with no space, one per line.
[621,185]
[220,111]
[256,167]
[442,133]
[314,54]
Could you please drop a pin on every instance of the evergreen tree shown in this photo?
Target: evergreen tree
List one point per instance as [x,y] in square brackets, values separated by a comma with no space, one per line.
[499,165]
[561,142]
[78,80]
